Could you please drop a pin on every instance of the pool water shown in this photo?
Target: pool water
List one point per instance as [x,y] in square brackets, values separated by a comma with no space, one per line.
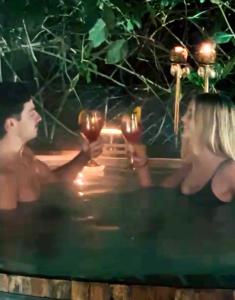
[117,232]
[100,180]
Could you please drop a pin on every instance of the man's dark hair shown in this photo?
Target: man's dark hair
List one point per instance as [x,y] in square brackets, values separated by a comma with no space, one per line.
[13,95]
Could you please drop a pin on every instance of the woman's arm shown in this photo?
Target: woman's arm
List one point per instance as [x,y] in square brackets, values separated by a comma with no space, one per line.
[140,160]
[176,177]
[143,172]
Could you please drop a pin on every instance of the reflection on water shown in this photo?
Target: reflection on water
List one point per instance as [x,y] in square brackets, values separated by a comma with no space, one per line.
[120,233]
[103,180]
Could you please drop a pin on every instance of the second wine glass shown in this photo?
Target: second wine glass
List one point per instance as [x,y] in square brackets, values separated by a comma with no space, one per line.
[91,123]
[131,129]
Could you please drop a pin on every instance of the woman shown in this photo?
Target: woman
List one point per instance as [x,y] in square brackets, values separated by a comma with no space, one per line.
[209,170]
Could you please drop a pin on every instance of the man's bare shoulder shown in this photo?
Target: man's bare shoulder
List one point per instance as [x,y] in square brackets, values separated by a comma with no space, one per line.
[45,173]
[6,173]
[28,154]
[8,189]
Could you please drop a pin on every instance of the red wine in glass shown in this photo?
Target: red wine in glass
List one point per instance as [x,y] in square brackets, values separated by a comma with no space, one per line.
[91,134]
[91,123]
[131,128]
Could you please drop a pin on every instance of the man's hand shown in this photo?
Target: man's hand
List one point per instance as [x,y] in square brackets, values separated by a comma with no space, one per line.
[93,149]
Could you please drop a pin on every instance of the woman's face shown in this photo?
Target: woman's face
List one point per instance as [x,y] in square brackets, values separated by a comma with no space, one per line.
[188,120]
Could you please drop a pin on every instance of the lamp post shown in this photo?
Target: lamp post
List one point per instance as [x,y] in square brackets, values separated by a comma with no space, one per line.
[179,69]
[206,56]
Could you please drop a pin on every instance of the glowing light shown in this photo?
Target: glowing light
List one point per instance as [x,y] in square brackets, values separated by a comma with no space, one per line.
[207,52]
[93,120]
[84,218]
[96,171]
[111,131]
[179,49]
[179,54]
[206,48]
[79,179]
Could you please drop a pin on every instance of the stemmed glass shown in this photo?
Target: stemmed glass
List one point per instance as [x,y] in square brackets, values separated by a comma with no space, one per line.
[131,129]
[91,123]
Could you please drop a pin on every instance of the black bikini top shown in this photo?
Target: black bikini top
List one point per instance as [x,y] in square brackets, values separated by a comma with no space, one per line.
[205,194]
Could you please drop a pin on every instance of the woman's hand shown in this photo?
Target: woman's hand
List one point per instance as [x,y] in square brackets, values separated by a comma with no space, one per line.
[138,156]
[140,163]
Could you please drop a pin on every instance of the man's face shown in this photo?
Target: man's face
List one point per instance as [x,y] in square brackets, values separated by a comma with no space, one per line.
[27,126]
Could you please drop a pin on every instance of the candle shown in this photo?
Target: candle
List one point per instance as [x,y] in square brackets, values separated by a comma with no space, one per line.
[206,53]
[179,55]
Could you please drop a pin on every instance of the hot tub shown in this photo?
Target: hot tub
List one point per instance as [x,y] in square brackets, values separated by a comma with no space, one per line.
[104,238]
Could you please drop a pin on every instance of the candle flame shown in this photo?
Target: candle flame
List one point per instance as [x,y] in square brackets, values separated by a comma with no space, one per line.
[93,120]
[179,54]
[111,131]
[206,48]
[79,180]
[179,49]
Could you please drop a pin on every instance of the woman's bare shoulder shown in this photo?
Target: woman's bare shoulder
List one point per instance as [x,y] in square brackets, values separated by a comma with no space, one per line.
[229,168]
[228,173]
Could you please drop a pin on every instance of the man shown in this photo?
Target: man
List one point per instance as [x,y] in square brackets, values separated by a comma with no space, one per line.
[21,174]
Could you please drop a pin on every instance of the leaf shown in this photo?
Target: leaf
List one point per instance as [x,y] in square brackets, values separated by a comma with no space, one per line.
[222,37]
[98,33]
[137,23]
[109,17]
[129,26]
[195,78]
[117,51]
[164,3]
[171,3]
[226,69]
[216,2]
[89,14]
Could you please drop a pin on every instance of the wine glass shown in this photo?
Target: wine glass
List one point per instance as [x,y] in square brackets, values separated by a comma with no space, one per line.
[131,129]
[91,122]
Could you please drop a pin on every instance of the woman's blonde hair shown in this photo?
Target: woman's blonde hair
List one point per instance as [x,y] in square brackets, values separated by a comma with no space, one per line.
[214,123]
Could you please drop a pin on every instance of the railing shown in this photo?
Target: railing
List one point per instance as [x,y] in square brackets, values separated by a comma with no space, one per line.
[114,150]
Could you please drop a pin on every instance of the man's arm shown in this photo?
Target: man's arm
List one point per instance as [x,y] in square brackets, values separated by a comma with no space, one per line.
[8,191]
[69,171]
